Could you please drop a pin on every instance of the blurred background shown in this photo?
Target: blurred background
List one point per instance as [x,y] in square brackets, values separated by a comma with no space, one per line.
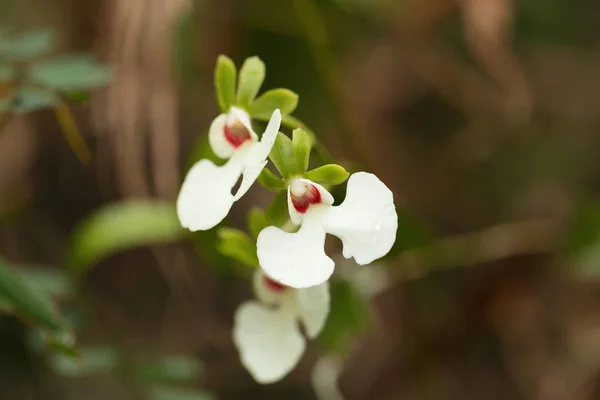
[481,115]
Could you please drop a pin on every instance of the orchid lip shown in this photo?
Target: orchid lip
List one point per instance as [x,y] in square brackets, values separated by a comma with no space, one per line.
[236,134]
[303,195]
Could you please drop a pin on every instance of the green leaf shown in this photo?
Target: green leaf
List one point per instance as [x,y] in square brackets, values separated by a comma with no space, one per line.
[257,221]
[348,318]
[91,361]
[28,45]
[282,155]
[277,213]
[269,181]
[302,143]
[72,72]
[27,300]
[120,226]
[252,75]
[171,369]
[330,174]
[237,245]
[225,77]
[170,393]
[31,99]
[283,99]
[53,282]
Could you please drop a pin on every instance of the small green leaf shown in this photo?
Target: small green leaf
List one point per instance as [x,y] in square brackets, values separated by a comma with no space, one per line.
[170,393]
[257,221]
[120,226]
[225,77]
[237,245]
[349,317]
[91,361]
[302,143]
[330,174]
[28,45]
[72,72]
[171,369]
[271,182]
[27,300]
[277,213]
[283,99]
[282,155]
[252,75]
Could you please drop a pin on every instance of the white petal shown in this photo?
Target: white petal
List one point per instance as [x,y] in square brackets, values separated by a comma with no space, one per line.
[237,114]
[296,259]
[269,342]
[295,216]
[205,196]
[250,175]
[313,307]
[261,151]
[216,138]
[265,294]
[366,221]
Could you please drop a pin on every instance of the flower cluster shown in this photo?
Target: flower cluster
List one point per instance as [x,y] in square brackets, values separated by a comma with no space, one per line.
[291,283]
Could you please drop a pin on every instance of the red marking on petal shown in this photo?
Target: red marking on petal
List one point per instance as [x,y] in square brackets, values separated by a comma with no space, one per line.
[274,285]
[312,196]
[236,134]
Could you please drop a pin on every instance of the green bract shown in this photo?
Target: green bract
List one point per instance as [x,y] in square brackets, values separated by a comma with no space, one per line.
[257,221]
[277,212]
[237,245]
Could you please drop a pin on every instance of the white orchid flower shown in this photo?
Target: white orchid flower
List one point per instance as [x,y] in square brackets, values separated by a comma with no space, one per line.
[205,197]
[366,222]
[267,332]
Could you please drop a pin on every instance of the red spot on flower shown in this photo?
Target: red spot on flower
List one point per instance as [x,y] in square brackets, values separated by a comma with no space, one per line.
[311,196]
[236,134]
[274,285]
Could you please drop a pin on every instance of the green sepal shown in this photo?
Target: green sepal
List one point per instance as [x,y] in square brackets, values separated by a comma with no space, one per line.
[302,144]
[271,182]
[282,155]
[330,174]
[283,99]
[225,80]
[252,75]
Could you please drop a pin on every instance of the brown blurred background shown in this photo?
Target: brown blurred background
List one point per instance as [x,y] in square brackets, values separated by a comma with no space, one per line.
[481,115]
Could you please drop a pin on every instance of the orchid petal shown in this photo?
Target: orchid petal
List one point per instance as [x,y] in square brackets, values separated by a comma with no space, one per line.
[205,196]
[237,114]
[268,340]
[216,138]
[297,217]
[264,293]
[296,259]
[260,151]
[313,308]
[366,222]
